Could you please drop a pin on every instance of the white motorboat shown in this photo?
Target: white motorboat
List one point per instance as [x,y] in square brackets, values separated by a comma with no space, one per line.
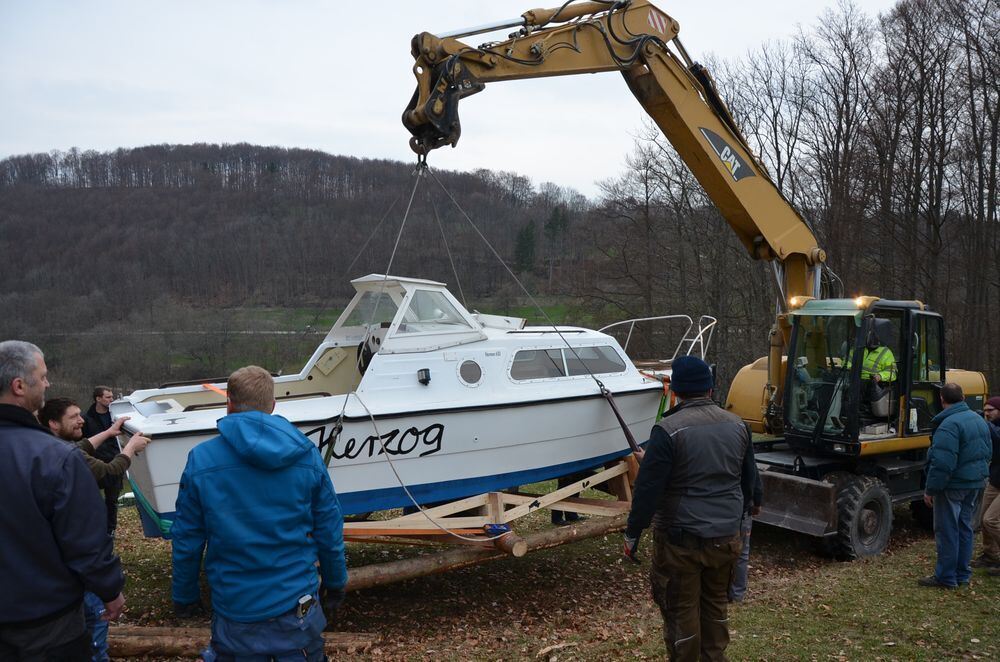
[410,389]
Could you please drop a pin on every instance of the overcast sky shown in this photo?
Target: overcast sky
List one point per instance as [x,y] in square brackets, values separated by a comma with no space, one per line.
[333,76]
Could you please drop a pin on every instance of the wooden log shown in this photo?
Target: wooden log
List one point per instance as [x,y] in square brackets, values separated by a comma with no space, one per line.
[512,543]
[378,574]
[139,641]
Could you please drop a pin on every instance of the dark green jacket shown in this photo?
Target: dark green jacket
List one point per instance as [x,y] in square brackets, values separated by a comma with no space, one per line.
[101,469]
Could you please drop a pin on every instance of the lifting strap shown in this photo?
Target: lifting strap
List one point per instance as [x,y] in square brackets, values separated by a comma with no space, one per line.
[621,421]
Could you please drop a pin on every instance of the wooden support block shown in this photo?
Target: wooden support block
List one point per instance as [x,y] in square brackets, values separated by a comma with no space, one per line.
[621,486]
[139,641]
[494,507]
[633,468]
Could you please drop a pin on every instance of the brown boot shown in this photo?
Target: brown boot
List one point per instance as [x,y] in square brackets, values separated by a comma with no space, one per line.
[983,561]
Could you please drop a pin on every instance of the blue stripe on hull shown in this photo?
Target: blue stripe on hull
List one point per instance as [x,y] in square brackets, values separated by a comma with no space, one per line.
[394,497]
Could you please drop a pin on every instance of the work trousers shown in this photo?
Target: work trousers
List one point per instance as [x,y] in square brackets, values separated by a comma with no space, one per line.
[690,586]
[112,488]
[990,523]
[97,627]
[741,569]
[954,511]
[284,638]
[62,639]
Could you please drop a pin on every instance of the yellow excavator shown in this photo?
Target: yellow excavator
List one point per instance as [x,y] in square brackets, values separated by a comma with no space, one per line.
[842,404]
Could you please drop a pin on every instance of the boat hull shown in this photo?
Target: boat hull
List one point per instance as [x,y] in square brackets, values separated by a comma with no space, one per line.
[437,455]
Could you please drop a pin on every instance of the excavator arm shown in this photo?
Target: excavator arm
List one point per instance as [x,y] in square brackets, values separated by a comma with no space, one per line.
[634,38]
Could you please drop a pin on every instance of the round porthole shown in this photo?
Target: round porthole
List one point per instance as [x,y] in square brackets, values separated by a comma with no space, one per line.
[470,372]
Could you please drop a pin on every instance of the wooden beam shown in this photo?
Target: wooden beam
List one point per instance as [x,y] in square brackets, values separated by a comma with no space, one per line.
[565,492]
[379,574]
[477,522]
[415,531]
[140,641]
[445,509]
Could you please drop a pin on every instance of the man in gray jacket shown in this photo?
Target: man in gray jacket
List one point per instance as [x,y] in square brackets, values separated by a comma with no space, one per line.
[697,472]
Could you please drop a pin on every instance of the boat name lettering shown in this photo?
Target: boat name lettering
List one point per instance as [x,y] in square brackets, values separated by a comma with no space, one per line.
[394,442]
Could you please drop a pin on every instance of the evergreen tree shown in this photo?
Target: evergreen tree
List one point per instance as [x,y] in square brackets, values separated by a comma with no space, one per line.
[524,248]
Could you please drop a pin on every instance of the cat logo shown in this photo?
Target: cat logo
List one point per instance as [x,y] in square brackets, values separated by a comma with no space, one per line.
[733,162]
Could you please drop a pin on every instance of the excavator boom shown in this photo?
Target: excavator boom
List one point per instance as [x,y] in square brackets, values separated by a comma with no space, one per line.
[634,39]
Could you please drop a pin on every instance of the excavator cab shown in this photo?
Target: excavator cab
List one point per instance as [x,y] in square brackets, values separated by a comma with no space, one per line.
[861,371]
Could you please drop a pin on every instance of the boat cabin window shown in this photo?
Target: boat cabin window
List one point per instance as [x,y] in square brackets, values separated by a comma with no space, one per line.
[372,308]
[596,360]
[551,363]
[431,312]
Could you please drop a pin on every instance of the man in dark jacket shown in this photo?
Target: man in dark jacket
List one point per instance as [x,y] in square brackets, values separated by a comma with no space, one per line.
[990,522]
[62,417]
[957,467]
[259,498]
[55,542]
[697,472]
[97,420]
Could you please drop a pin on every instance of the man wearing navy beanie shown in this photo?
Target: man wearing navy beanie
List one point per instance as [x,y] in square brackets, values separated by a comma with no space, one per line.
[696,475]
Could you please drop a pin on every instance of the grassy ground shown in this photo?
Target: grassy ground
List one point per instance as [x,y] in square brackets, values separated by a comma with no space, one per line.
[582,602]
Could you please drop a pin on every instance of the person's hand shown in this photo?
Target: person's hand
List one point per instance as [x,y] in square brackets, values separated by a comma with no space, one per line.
[331,599]
[192,610]
[114,609]
[116,427]
[755,511]
[928,500]
[135,445]
[639,454]
[630,547]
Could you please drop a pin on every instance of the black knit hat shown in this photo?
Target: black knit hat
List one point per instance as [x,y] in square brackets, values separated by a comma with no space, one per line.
[689,374]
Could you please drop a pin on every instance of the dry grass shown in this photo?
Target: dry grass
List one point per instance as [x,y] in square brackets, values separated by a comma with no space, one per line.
[581,602]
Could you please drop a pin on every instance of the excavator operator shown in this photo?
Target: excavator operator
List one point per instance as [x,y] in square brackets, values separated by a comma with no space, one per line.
[878,367]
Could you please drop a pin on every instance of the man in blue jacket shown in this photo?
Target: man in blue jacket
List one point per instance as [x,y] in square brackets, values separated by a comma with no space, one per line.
[54,543]
[957,468]
[261,500]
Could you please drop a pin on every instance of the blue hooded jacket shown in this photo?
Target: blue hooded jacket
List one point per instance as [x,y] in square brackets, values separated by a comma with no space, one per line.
[959,456]
[260,499]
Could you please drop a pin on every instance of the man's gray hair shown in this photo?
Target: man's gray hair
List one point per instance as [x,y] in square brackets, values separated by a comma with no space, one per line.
[18,358]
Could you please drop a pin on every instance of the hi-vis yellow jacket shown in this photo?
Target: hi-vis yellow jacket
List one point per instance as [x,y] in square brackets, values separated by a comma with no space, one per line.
[879,361]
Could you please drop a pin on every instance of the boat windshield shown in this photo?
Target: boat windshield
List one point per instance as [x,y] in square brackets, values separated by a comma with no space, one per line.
[431,311]
[372,308]
[820,374]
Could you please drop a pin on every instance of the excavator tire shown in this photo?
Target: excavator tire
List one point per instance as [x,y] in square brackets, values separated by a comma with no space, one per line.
[922,514]
[864,510]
